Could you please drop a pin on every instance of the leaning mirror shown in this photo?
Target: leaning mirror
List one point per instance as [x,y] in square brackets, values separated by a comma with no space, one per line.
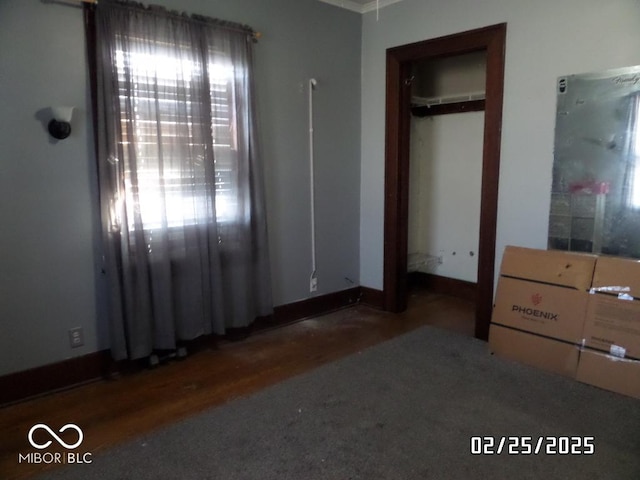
[595,196]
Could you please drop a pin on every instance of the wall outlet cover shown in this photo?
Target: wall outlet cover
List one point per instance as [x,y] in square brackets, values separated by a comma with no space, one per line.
[76,337]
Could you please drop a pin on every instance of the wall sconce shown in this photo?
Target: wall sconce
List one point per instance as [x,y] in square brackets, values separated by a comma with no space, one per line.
[60,126]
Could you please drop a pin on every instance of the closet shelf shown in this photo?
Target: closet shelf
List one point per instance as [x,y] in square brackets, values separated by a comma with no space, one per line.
[429,106]
[445,100]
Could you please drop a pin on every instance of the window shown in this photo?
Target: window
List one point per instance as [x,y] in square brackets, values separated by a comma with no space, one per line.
[165,172]
[181,194]
[635,154]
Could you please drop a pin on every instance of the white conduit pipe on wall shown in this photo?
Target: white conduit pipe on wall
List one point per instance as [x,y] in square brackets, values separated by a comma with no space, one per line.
[313,281]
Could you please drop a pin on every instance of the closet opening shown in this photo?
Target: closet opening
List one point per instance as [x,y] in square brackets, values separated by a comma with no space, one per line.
[409,90]
[445,171]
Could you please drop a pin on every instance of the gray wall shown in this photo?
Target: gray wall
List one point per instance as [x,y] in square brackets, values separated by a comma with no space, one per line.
[49,243]
[545,39]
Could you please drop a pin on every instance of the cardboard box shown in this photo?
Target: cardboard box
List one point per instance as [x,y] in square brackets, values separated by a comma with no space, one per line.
[577,315]
[540,352]
[617,271]
[612,323]
[540,306]
[568,269]
[546,310]
[609,372]
[611,358]
[612,326]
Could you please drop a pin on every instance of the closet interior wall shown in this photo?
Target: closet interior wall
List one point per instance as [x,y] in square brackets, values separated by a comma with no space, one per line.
[446,167]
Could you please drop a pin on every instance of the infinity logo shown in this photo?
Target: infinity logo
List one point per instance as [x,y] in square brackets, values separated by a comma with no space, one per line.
[53,434]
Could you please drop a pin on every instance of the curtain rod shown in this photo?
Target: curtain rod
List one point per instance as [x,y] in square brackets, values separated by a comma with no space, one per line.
[94,2]
[256,35]
[71,3]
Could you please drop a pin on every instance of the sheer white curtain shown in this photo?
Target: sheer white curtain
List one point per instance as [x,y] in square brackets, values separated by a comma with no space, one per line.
[180,181]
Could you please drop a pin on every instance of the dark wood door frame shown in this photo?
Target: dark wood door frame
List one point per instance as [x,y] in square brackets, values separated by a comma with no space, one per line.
[398,121]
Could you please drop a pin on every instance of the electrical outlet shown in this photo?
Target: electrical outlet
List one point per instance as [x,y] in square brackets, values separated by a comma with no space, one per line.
[313,284]
[76,337]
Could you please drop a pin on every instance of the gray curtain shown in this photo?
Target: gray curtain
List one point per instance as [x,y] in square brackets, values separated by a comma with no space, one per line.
[181,188]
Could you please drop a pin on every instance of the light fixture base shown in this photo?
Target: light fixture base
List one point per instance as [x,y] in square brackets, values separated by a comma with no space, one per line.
[59,130]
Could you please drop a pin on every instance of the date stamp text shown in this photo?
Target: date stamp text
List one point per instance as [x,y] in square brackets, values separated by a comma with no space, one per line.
[522,445]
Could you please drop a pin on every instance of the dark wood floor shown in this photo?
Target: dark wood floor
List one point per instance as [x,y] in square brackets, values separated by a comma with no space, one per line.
[113,411]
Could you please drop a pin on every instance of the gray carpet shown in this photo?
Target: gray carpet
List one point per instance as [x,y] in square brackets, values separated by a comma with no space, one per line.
[405,409]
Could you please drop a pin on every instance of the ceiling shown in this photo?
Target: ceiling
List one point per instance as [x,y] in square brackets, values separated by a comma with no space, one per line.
[361,6]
